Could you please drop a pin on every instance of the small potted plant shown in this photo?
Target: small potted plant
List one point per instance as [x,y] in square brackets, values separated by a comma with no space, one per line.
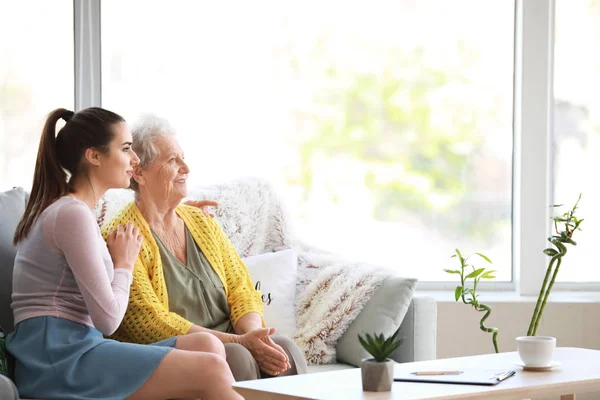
[378,371]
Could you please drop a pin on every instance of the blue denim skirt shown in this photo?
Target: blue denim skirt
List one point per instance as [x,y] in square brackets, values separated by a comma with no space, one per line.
[60,359]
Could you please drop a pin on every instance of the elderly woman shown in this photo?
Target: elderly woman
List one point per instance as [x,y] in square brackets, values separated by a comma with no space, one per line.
[188,277]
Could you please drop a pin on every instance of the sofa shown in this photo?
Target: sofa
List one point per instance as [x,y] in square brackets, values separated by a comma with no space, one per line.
[381,313]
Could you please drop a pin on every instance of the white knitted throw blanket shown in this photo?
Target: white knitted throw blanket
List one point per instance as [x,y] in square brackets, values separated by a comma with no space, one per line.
[330,290]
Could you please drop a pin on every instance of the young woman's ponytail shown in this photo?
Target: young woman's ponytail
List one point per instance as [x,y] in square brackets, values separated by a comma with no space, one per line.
[49,179]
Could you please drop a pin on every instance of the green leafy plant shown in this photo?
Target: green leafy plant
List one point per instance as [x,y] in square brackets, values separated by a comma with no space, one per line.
[379,346]
[469,294]
[571,223]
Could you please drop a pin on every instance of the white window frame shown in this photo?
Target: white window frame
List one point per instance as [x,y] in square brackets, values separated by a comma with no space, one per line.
[88,62]
[534,100]
[533,132]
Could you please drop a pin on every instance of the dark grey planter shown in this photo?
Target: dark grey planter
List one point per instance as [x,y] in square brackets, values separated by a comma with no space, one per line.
[377,376]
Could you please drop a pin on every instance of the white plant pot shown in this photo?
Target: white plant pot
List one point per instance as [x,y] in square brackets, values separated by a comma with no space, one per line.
[377,376]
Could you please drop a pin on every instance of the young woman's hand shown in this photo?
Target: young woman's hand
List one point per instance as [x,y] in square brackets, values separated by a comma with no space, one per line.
[124,244]
[202,204]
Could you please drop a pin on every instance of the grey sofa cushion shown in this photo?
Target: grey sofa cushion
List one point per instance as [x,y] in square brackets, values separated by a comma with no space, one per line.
[12,206]
[382,314]
[419,329]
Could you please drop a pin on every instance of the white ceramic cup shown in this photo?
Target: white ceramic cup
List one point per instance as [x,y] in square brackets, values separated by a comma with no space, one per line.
[536,351]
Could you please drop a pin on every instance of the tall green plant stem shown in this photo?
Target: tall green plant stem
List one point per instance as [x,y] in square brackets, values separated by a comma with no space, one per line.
[537,322]
[538,304]
[488,311]
[571,224]
[492,330]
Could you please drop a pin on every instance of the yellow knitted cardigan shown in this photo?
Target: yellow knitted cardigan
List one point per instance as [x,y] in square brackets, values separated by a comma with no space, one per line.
[148,319]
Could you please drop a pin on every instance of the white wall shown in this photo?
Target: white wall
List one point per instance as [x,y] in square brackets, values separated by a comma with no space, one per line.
[573,323]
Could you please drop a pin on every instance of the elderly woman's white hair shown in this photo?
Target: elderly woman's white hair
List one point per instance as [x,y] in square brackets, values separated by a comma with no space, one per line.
[145,131]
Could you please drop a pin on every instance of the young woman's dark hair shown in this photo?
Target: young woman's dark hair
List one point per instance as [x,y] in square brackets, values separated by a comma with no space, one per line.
[62,153]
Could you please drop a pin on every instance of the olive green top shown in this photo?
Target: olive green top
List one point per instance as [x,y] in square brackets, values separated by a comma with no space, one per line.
[195,291]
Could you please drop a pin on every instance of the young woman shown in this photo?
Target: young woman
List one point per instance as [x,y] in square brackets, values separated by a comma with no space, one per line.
[70,288]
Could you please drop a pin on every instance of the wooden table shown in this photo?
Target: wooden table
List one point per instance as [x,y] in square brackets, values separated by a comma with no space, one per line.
[579,373]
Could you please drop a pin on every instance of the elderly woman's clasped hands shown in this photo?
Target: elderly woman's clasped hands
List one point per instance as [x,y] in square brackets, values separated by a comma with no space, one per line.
[270,357]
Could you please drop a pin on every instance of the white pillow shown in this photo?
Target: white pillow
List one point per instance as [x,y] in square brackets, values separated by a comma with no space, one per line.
[274,274]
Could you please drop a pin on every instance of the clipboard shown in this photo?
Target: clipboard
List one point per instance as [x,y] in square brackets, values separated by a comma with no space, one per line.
[485,377]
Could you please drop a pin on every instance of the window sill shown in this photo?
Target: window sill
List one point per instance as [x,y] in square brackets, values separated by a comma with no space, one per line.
[557,296]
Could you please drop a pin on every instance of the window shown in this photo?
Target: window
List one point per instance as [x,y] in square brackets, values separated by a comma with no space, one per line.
[36,76]
[576,139]
[391,140]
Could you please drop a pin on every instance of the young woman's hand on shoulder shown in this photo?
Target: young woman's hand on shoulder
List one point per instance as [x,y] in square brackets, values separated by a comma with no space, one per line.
[124,244]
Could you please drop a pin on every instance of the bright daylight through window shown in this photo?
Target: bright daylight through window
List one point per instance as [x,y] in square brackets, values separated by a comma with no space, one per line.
[577,128]
[36,76]
[387,124]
